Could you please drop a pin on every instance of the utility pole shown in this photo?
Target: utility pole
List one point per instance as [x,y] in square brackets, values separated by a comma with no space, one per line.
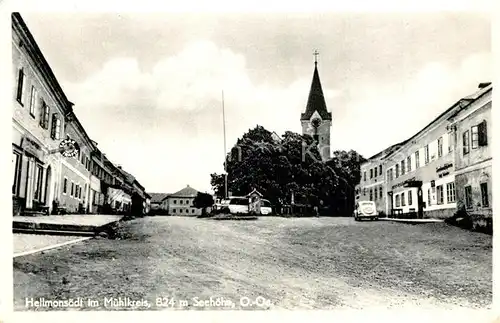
[224,129]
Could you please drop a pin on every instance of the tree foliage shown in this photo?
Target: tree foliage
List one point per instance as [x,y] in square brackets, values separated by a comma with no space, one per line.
[291,165]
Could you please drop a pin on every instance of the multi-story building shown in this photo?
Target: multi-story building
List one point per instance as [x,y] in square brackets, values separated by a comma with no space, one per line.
[473,157]
[42,119]
[40,108]
[181,202]
[76,172]
[372,183]
[425,175]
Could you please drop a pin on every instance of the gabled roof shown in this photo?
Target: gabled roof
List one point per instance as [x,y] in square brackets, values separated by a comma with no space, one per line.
[316,100]
[158,197]
[187,191]
[254,191]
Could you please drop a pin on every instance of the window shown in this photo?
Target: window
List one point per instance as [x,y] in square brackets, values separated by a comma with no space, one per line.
[174,210]
[375,194]
[408,163]
[380,169]
[484,195]
[468,197]
[16,163]
[38,183]
[410,198]
[175,201]
[426,154]
[364,176]
[483,133]
[192,211]
[380,191]
[417,159]
[403,167]
[65,186]
[440,194]
[20,87]
[180,210]
[397,170]
[429,197]
[85,190]
[72,189]
[33,97]
[450,192]
[403,201]
[466,142]
[398,201]
[371,194]
[55,132]
[475,136]
[180,201]
[375,170]
[440,146]
[371,172]
[44,117]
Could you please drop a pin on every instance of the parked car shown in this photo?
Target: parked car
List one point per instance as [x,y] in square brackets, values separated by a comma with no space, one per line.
[238,205]
[365,210]
[265,207]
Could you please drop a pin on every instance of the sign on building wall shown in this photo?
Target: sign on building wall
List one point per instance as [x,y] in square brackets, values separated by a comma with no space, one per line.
[69,148]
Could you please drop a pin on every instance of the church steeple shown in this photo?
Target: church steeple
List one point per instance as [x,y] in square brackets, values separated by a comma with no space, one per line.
[316,120]
[316,100]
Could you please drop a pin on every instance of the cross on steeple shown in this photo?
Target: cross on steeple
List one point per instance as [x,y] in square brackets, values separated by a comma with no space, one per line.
[316,53]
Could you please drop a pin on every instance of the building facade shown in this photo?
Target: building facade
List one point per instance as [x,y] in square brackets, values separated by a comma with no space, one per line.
[38,120]
[435,171]
[473,158]
[181,202]
[44,181]
[372,185]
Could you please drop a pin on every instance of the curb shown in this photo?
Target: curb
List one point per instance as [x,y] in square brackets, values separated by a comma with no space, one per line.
[29,252]
[413,221]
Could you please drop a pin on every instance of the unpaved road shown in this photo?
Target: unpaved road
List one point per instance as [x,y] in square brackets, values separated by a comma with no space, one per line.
[309,263]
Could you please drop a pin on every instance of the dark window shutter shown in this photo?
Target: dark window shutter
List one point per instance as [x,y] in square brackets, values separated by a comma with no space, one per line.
[483,134]
[20,80]
[54,126]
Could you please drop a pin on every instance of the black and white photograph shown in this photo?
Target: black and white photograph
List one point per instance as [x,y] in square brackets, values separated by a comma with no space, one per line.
[251,161]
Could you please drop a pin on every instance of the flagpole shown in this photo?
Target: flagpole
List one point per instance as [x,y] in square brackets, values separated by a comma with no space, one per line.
[224,129]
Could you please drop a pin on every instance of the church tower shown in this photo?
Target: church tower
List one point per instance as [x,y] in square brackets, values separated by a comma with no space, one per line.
[316,120]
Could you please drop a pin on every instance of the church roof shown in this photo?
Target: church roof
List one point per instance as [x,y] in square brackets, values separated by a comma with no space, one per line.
[187,191]
[316,100]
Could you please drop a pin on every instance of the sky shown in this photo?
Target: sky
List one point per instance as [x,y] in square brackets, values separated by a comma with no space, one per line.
[148,86]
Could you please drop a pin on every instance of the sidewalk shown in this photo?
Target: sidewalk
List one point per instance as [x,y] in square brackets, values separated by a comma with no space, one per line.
[24,244]
[413,221]
[76,224]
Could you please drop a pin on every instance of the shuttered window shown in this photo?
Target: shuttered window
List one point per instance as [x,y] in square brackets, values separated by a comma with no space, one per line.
[483,133]
[55,132]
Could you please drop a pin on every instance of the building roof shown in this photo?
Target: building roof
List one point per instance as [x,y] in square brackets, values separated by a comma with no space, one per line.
[387,150]
[187,191]
[483,89]
[458,106]
[316,99]
[158,197]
